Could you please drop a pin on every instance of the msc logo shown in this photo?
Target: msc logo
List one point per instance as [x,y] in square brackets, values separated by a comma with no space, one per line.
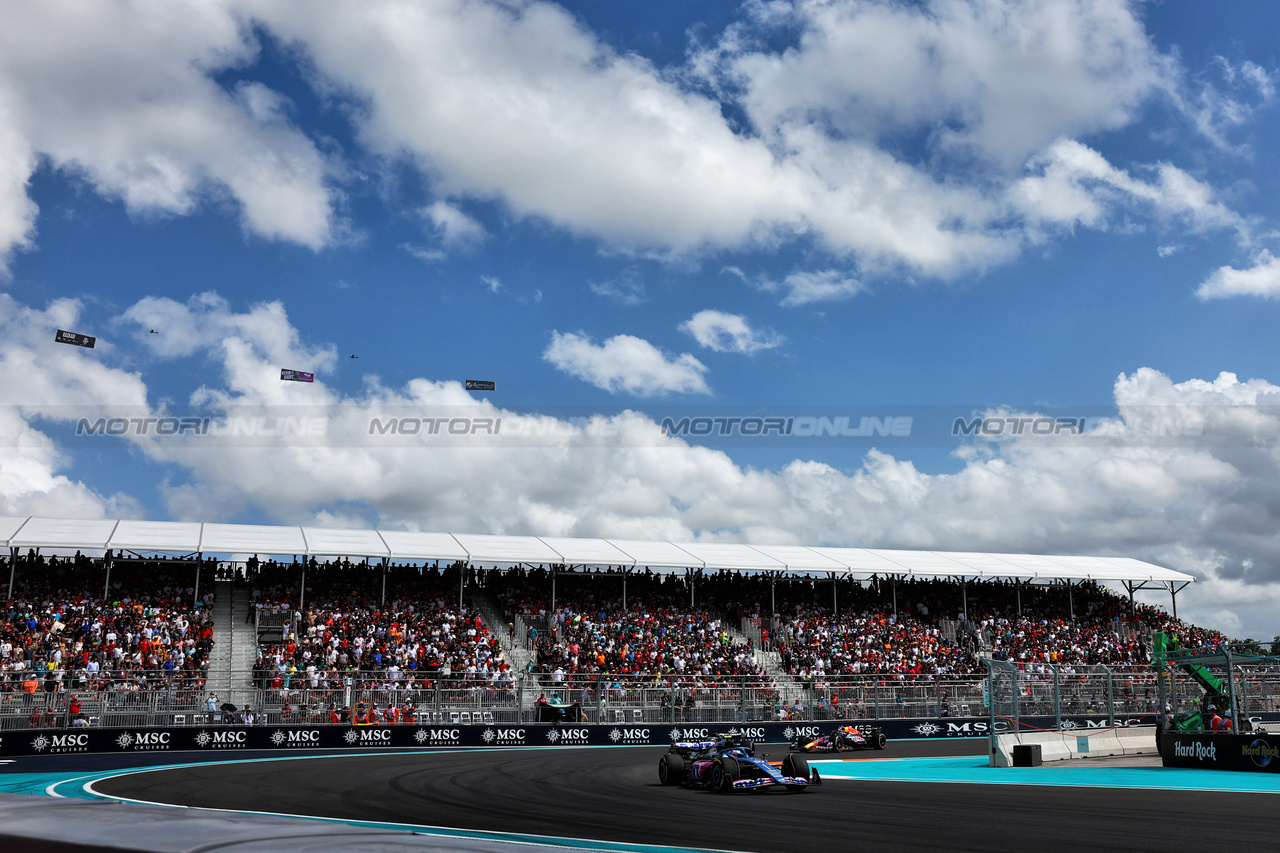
[297,737]
[573,736]
[975,729]
[375,736]
[437,736]
[753,733]
[685,734]
[61,743]
[223,739]
[619,735]
[143,740]
[70,741]
[806,731]
[502,736]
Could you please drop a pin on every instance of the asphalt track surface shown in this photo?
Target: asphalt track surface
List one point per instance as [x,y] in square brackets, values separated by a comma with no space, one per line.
[612,794]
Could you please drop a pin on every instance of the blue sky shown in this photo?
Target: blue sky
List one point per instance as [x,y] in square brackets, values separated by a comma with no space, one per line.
[928,210]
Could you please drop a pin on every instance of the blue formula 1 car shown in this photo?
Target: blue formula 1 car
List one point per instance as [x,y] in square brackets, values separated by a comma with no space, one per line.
[729,763]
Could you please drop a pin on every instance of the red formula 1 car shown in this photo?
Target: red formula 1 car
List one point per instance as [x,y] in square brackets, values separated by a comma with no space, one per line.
[729,763]
[845,737]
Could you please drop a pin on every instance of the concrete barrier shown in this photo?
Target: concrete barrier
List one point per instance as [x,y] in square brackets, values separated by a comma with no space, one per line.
[1078,744]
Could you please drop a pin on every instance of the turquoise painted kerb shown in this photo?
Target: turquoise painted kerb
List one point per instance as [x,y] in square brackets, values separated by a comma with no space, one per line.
[1076,774]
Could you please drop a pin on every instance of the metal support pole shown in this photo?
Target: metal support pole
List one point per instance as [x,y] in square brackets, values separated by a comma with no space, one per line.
[1173,594]
[835,608]
[692,579]
[462,579]
[1057,700]
[964,598]
[302,588]
[384,581]
[195,596]
[1244,701]
[1071,599]
[599,698]
[13,564]
[624,588]
[551,621]
[1018,583]
[773,604]
[1231,687]
[1111,704]
[895,598]
[106,584]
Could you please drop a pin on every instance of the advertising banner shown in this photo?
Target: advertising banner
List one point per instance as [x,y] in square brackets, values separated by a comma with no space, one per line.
[220,738]
[1250,752]
[76,340]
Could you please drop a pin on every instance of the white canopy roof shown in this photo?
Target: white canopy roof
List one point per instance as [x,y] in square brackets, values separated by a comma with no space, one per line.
[252,539]
[588,552]
[210,538]
[411,545]
[342,542]
[181,536]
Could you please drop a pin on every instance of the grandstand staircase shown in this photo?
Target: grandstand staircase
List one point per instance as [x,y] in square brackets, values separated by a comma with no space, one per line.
[789,689]
[517,657]
[235,648]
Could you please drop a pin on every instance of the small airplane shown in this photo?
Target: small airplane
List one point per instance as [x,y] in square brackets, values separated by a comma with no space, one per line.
[355,356]
[154,332]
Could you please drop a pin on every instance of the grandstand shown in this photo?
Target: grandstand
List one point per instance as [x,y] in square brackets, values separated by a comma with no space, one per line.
[322,625]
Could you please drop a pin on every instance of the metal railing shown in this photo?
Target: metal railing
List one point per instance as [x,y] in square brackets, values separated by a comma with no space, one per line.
[612,698]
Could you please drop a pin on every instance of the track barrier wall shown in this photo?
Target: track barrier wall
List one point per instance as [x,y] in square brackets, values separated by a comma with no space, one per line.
[1139,739]
[219,738]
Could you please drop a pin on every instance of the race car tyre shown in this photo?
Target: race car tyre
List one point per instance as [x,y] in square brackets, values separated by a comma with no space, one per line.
[879,741]
[723,774]
[749,746]
[796,766]
[837,742]
[671,769]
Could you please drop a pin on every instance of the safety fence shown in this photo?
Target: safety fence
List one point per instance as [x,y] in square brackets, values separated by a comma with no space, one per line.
[606,698]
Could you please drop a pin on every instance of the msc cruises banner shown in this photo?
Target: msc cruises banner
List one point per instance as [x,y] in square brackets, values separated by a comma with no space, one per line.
[220,738]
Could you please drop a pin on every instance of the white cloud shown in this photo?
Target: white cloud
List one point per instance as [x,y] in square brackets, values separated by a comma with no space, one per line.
[627,289]
[1074,185]
[120,95]
[626,363]
[520,104]
[424,254]
[1261,279]
[252,346]
[995,78]
[1203,502]
[44,380]
[723,332]
[455,228]
[810,286]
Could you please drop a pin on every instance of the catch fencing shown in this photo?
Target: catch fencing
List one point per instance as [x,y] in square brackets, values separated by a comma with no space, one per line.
[610,698]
